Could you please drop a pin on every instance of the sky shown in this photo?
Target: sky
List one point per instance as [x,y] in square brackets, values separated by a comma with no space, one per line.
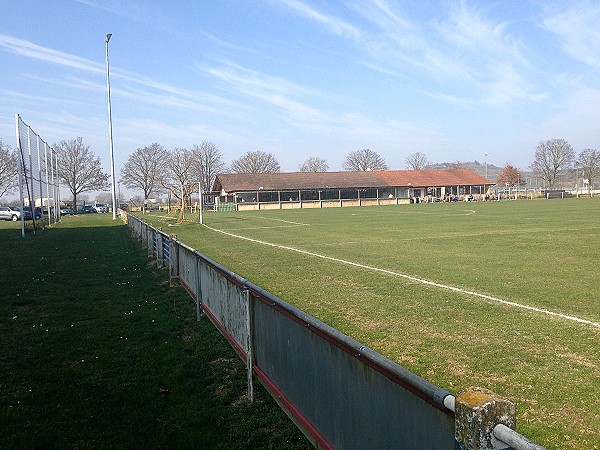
[456,80]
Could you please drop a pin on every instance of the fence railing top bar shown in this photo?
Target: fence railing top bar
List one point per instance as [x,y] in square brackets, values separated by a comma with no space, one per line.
[515,440]
[187,247]
[232,276]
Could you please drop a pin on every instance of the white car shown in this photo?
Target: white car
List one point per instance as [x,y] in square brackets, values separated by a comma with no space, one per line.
[101,207]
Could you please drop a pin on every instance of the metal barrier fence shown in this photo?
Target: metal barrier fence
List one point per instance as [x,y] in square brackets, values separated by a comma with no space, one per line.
[340,393]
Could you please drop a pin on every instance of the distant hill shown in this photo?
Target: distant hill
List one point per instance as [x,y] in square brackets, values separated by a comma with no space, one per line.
[477,167]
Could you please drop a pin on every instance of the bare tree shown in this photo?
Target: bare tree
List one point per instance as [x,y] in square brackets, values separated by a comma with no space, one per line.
[509,175]
[106,198]
[589,161]
[143,169]
[314,164]
[180,175]
[79,168]
[416,161]
[8,169]
[363,160]
[210,163]
[255,162]
[551,158]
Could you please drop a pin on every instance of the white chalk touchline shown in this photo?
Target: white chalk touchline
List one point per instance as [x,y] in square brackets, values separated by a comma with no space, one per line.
[415,279]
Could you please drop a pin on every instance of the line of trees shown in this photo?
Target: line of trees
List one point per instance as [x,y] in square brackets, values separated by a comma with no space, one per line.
[8,169]
[553,159]
[154,170]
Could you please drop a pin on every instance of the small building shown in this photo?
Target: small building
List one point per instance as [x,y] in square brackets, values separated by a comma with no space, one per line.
[259,191]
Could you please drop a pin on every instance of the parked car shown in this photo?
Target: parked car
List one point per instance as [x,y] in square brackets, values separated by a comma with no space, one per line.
[38,212]
[13,213]
[86,209]
[101,207]
[65,210]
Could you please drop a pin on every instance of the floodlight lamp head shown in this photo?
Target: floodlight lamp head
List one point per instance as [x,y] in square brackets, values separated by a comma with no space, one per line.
[108,36]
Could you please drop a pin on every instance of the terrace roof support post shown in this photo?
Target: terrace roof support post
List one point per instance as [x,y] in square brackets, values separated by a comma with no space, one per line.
[477,412]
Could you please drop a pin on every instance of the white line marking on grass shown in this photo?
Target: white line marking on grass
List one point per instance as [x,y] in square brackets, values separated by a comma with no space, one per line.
[267,228]
[415,279]
[281,220]
[291,224]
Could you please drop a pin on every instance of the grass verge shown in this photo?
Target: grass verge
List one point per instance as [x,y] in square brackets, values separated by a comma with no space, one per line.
[98,352]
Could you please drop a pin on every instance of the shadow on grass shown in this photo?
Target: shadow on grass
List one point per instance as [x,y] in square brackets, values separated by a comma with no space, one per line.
[98,352]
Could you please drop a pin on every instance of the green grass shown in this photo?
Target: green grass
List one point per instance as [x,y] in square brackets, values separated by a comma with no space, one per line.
[98,352]
[538,253]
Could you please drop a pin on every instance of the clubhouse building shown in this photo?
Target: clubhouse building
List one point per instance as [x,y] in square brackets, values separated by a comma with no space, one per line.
[260,191]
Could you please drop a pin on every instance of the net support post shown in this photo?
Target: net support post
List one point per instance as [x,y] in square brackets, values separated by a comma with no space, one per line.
[477,412]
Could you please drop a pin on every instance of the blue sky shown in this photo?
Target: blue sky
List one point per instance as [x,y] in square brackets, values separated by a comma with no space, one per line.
[452,79]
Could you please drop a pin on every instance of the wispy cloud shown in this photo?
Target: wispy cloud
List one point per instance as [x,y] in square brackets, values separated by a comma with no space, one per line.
[133,86]
[251,81]
[461,45]
[31,50]
[343,127]
[577,27]
[334,24]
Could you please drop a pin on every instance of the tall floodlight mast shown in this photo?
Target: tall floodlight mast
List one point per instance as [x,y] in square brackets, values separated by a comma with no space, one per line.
[110,137]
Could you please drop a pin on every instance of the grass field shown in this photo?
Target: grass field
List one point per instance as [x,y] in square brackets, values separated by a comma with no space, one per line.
[97,351]
[514,307]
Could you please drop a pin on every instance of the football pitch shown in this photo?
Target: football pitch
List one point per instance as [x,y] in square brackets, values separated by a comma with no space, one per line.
[502,295]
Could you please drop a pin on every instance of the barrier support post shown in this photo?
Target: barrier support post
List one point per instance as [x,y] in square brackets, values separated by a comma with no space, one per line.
[159,250]
[151,237]
[477,412]
[198,287]
[173,261]
[249,345]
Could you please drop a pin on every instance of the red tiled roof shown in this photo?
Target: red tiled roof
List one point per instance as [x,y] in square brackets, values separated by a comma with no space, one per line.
[239,182]
[432,178]
[234,182]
